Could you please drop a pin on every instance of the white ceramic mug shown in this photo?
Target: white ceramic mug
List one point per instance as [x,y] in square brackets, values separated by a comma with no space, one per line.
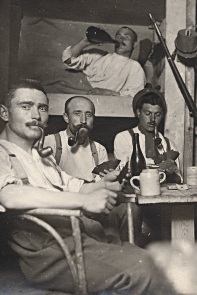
[149,182]
[192,175]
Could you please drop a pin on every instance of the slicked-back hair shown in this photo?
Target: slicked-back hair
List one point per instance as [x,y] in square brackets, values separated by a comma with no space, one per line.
[153,99]
[134,33]
[22,84]
[66,107]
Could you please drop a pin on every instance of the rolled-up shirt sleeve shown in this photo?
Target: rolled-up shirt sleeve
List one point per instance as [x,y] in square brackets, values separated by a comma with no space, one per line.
[7,173]
[80,62]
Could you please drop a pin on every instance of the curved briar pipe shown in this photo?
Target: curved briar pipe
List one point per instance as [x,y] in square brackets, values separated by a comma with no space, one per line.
[43,152]
[72,140]
[157,139]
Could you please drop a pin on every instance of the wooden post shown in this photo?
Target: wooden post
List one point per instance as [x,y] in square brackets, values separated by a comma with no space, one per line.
[189,156]
[15,28]
[179,125]
[4,45]
[10,20]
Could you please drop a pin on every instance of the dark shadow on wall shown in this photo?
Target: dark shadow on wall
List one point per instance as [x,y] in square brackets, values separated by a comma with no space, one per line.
[104,131]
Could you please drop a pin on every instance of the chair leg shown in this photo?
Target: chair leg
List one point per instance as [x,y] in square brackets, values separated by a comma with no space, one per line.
[130,223]
[79,255]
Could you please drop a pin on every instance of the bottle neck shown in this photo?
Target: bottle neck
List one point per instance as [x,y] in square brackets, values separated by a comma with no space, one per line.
[136,142]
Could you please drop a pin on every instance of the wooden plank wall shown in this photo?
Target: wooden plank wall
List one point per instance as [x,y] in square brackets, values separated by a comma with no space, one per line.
[106,106]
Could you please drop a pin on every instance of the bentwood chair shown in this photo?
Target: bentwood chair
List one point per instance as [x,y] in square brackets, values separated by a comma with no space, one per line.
[8,283]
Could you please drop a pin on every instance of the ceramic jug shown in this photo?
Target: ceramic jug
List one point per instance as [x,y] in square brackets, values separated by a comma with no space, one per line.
[150,180]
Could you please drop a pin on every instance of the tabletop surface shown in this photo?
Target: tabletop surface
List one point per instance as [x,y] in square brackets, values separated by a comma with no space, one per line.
[169,196]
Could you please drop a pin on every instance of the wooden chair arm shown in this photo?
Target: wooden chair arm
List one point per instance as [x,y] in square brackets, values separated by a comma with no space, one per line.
[51,211]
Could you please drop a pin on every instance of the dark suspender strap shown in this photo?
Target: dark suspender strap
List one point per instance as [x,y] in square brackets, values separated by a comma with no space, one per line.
[20,171]
[58,151]
[166,139]
[94,152]
[18,168]
[168,144]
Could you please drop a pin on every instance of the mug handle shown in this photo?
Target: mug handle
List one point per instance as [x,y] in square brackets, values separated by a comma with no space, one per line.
[132,184]
[163,177]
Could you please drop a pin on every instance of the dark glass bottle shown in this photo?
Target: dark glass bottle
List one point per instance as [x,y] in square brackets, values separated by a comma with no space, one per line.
[97,35]
[137,162]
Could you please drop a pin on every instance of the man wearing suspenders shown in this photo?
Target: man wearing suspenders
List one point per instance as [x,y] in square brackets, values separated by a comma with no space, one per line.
[80,159]
[150,107]
[109,268]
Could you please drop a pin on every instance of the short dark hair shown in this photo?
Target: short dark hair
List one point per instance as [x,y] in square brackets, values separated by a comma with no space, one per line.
[153,99]
[22,83]
[134,33]
[73,97]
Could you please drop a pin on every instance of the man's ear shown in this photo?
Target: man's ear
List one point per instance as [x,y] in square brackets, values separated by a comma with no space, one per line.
[65,116]
[134,44]
[138,112]
[4,114]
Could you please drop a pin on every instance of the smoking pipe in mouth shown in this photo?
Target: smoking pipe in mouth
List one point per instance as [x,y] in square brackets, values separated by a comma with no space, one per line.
[43,152]
[157,138]
[72,140]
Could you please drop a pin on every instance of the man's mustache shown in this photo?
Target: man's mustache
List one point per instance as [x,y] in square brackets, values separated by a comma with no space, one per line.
[82,126]
[119,44]
[34,123]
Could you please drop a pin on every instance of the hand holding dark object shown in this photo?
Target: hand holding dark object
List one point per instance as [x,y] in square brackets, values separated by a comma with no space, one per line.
[169,155]
[169,166]
[106,166]
[124,176]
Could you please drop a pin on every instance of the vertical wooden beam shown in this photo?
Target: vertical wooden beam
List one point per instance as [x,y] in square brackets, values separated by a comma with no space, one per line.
[189,157]
[10,24]
[4,45]
[15,28]
[4,49]
[179,124]
[182,227]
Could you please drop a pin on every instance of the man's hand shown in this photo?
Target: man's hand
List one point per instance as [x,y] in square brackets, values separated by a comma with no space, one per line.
[100,201]
[169,166]
[110,180]
[105,172]
[103,91]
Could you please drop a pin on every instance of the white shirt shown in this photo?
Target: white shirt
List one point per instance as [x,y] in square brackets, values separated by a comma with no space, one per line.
[123,146]
[111,71]
[77,160]
[41,172]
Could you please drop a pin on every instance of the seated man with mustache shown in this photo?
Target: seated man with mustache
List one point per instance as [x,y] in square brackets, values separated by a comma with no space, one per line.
[108,74]
[78,155]
[110,269]
[73,150]
[149,106]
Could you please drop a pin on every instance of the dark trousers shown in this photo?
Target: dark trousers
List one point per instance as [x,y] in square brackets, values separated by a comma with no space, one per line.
[116,269]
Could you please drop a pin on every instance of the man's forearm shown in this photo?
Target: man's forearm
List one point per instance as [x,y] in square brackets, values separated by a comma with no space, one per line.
[77,49]
[27,197]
